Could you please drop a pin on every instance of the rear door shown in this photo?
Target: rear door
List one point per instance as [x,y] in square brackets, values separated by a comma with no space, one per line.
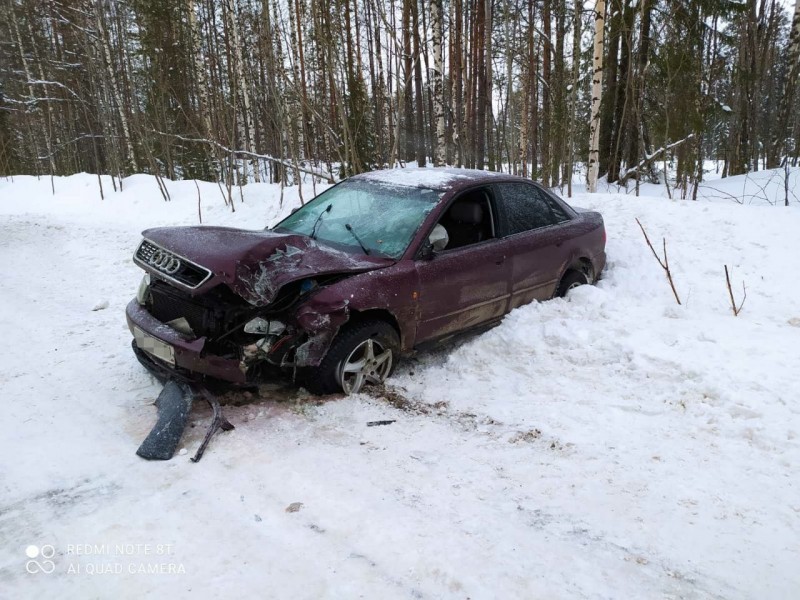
[534,225]
[466,286]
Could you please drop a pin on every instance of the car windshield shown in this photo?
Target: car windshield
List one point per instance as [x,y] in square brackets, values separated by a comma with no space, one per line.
[383,218]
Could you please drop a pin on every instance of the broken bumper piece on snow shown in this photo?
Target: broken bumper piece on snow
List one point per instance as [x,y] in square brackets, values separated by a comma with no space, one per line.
[174,404]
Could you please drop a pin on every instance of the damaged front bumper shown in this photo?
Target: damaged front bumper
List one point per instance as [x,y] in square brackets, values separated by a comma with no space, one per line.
[163,349]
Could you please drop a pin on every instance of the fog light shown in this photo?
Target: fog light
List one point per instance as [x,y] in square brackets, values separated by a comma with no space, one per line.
[144,290]
[263,326]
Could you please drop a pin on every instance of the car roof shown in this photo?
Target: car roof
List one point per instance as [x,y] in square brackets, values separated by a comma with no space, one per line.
[438,178]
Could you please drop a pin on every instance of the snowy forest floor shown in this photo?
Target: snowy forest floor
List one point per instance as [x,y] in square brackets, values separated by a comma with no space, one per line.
[610,445]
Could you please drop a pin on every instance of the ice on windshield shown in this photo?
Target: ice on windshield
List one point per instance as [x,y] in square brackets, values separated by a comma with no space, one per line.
[383,217]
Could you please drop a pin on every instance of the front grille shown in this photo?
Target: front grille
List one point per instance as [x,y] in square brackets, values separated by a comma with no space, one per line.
[171,265]
[167,303]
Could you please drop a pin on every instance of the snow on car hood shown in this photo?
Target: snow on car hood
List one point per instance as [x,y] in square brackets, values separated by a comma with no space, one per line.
[256,264]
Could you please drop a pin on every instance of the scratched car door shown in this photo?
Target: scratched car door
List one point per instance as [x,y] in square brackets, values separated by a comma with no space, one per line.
[462,288]
[535,225]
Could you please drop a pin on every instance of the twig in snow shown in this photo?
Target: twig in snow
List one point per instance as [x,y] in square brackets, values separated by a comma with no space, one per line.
[736,309]
[664,264]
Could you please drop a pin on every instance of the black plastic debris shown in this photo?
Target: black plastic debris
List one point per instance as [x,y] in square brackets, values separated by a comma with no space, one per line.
[174,404]
[218,421]
[375,423]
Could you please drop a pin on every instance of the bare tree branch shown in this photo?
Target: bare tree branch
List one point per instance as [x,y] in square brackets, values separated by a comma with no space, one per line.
[286,163]
[736,309]
[664,264]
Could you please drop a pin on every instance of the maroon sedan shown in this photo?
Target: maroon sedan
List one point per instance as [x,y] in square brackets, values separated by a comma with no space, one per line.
[370,269]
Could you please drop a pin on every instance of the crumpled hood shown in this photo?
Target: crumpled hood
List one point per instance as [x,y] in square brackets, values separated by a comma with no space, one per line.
[256,264]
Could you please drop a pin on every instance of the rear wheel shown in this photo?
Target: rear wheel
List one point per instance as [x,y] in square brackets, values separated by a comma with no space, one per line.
[364,353]
[570,281]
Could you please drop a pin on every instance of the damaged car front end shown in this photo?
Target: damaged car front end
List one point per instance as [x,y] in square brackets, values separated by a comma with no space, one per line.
[245,306]
[241,330]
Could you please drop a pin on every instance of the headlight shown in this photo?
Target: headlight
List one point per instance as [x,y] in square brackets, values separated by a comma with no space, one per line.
[144,290]
[263,326]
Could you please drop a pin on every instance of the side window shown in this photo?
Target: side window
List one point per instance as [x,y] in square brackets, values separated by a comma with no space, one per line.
[526,207]
[468,220]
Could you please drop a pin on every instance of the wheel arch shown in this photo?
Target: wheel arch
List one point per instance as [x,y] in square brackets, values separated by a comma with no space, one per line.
[381,314]
[583,265]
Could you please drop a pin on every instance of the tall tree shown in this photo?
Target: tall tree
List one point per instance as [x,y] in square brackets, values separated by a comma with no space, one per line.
[438,83]
[597,91]
[782,126]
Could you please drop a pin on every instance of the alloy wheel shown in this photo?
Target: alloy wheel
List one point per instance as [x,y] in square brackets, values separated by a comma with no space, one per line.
[369,362]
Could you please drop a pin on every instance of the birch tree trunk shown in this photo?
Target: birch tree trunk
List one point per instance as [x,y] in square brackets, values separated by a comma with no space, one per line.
[200,69]
[241,84]
[597,91]
[112,79]
[438,89]
[418,95]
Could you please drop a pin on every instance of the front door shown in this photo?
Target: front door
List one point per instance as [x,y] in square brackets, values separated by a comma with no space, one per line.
[467,283]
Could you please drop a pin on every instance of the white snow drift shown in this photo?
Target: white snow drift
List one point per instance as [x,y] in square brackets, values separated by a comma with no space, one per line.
[611,445]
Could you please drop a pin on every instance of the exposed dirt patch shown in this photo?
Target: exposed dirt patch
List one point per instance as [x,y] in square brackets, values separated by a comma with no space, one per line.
[525,436]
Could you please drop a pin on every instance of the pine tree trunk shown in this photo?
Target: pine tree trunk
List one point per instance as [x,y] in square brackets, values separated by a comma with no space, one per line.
[479,39]
[408,76]
[610,95]
[787,96]
[488,86]
[547,85]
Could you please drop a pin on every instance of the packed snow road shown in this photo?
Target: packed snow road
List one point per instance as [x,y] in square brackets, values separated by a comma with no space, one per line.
[611,445]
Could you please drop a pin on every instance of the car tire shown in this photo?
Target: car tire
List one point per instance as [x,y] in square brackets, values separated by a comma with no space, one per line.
[372,341]
[571,280]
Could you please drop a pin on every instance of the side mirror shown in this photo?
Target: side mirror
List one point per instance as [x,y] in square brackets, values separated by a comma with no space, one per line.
[294,210]
[426,251]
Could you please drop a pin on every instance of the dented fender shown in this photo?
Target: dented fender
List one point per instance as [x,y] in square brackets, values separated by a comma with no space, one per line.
[322,321]
[324,314]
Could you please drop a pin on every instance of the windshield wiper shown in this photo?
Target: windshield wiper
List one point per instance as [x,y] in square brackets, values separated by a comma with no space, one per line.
[319,219]
[358,239]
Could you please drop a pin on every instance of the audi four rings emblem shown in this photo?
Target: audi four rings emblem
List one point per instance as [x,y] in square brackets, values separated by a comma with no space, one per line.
[165,262]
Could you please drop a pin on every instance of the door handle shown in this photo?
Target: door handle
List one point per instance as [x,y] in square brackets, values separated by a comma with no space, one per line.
[500,260]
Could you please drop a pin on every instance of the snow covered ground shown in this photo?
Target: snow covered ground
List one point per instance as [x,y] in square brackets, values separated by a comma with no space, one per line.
[611,445]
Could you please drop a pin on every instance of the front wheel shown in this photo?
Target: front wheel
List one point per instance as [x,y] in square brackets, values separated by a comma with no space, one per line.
[363,353]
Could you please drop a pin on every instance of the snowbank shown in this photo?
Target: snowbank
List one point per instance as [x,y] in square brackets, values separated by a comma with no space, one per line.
[611,445]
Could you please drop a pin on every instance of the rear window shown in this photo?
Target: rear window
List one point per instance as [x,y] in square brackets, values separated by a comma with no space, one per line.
[526,207]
